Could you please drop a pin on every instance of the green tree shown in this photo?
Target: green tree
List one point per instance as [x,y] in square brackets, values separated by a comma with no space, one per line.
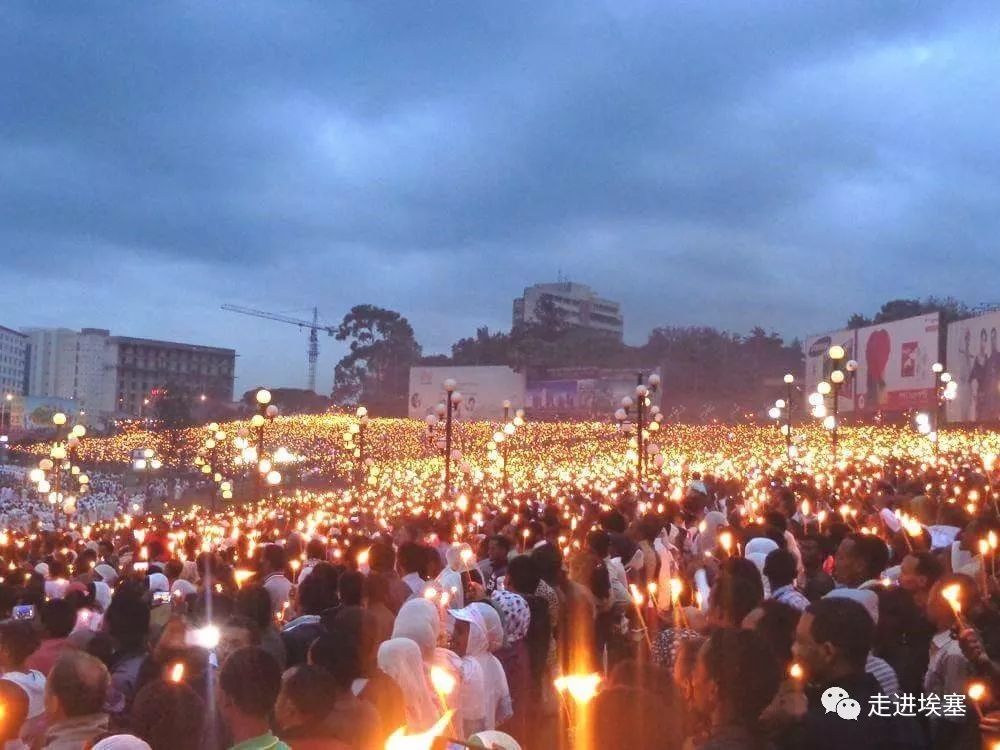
[376,371]
[482,349]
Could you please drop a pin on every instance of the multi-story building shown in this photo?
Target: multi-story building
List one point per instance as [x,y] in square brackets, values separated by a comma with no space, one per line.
[112,376]
[577,304]
[145,367]
[76,365]
[13,362]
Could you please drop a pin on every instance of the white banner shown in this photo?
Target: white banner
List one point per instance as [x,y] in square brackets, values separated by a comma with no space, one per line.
[484,389]
[974,361]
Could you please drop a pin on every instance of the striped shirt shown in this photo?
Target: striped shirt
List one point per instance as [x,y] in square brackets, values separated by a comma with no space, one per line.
[791,596]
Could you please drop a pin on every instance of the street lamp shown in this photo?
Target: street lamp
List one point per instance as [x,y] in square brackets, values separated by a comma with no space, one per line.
[266,411]
[145,461]
[789,384]
[354,441]
[838,376]
[452,400]
[945,389]
[499,446]
[641,403]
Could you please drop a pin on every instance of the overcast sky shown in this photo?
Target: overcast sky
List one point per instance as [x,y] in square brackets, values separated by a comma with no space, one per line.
[718,163]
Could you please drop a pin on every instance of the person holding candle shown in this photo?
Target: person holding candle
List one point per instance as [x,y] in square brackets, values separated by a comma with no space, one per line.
[948,669]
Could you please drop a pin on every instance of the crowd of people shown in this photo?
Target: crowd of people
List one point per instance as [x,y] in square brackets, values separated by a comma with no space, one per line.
[765,605]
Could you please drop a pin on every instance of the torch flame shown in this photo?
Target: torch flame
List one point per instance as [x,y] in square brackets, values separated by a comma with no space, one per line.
[400,740]
[581,687]
[177,672]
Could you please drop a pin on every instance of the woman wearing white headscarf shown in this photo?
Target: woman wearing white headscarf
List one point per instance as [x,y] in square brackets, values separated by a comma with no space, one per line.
[418,620]
[756,551]
[493,705]
[400,659]
[460,559]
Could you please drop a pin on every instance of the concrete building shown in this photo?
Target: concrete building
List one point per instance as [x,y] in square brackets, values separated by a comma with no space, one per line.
[578,304]
[145,366]
[13,362]
[114,376]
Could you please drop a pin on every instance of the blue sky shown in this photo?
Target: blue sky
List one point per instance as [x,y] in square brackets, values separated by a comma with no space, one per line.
[724,163]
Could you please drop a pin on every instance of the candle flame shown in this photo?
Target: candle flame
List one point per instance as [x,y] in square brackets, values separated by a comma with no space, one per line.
[177,672]
[795,671]
[976,691]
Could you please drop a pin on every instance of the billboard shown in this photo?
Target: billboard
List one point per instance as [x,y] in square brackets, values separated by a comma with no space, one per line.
[560,396]
[592,393]
[35,412]
[894,364]
[484,390]
[819,365]
[973,359]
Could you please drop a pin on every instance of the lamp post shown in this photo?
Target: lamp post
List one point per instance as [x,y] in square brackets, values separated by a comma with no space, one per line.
[358,445]
[452,400]
[265,411]
[146,462]
[838,376]
[641,402]
[945,389]
[789,383]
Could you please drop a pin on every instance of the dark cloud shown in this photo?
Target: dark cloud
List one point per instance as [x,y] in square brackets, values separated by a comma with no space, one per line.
[723,163]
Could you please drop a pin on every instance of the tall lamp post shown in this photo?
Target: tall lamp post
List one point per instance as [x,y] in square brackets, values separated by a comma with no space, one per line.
[500,446]
[146,462]
[945,389]
[838,376]
[452,401]
[789,383]
[641,403]
[354,441]
[266,411]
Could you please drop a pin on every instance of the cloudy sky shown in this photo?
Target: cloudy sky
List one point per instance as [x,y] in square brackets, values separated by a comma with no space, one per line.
[720,163]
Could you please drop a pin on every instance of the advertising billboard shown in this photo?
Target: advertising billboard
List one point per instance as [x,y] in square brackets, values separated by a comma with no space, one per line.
[819,365]
[894,364]
[592,393]
[35,412]
[973,359]
[484,390]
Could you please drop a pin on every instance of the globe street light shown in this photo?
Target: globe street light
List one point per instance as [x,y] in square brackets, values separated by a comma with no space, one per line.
[452,399]
[945,389]
[266,411]
[838,377]
[789,384]
[641,403]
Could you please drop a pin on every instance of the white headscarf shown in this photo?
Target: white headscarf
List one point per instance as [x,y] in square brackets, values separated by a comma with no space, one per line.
[494,705]
[158,583]
[102,594]
[493,739]
[122,742]
[450,579]
[419,621]
[400,659]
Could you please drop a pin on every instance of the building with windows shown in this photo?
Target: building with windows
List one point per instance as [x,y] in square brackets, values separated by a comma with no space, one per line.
[145,368]
[13,362]
[119,376]
[577,304]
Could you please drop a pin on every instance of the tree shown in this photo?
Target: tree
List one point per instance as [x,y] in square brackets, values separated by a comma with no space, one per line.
[858,321]
[483,349]
[172,406]
[376,371]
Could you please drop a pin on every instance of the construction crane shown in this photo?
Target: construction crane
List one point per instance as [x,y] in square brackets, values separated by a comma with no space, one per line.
[313,327]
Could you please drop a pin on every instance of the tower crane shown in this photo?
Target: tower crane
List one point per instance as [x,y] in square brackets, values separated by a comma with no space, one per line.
[313,327]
